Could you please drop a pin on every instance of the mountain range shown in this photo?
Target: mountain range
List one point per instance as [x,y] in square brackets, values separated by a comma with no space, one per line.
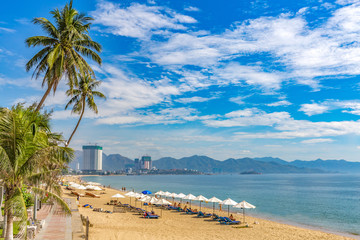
[206,164]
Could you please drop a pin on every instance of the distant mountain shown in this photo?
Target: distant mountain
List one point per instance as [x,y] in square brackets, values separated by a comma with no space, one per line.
[200,163]
[206,164]
[329,165]
[209,165]
[115,162]
[271,159]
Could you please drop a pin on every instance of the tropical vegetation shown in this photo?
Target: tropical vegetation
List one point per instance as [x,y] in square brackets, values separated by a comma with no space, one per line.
[30,154]
[83,96]
[32,157]
[65,44]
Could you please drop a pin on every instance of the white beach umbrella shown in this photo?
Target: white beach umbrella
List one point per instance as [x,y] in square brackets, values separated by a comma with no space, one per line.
[214,200]
[118,195]
[244,205]
[159,193]
[189,197]
[181,196]
[201,198]
[167,194]
[162,202]
[229,202]
[153,200]
[130,194]
[94,183]
[145,199]
[173,195]
[96,188]
[137,195]
[81,187]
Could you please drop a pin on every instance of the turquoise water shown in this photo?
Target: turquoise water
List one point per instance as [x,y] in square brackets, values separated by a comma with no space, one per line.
[326,201]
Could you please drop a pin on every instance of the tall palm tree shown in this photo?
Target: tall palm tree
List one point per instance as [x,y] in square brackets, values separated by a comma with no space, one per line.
[28,153]
[66,43]
[83,96]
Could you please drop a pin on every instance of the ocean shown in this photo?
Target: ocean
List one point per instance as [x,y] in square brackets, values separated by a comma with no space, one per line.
[329,202]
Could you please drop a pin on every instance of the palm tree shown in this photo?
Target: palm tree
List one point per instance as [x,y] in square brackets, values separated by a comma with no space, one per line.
[29,152]
[66,43]
[83,95]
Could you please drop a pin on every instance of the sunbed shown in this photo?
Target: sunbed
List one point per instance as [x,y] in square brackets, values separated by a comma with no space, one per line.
[77,194]
[229,221]
[150,215]
[204,215]
[92,195]
[188,211]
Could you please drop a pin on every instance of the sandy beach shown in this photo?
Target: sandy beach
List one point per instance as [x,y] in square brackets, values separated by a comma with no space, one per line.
[175,225]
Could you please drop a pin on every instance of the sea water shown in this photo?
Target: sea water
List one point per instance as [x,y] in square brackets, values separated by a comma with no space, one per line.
[326,201]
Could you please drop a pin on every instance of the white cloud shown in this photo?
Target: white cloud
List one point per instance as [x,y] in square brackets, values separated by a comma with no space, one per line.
[313,109]
[194,99]
[9,30]
[308,54]
[138,20]
[317,140]
[282,125]
[279,103]
[192,9]
[347,106]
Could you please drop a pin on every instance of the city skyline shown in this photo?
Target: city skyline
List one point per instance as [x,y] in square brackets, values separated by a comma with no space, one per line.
[241,79]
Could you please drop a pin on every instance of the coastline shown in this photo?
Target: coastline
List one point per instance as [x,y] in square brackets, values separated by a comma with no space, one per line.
[268,227]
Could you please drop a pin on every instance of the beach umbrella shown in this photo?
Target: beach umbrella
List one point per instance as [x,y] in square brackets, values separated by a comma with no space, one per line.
[229,202]
[189,197]
[130,194]
[146,192]
[159,193]
[201,198]
[145,199]
[118,195]
[153,200]
[244,205]
[96,188]
[214,200]
[162,202]
[90,187]
[137,195]
[94,183]
[173,195]
[181,196]
[167,194]
[81,187]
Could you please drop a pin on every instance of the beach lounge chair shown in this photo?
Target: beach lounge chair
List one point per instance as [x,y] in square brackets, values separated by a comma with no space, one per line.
[204,215]
[92,195]
[188,211]
[228,221]
[215,217]
[150,215]
[77,194]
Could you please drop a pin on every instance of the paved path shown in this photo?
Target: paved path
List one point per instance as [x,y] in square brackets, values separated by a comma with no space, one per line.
[57,224]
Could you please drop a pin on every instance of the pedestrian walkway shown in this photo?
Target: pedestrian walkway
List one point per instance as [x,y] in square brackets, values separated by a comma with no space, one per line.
[57,224]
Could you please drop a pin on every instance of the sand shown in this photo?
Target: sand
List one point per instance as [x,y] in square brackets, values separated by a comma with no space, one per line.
[175,225]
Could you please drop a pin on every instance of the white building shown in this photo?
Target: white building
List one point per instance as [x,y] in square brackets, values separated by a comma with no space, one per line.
[92,158]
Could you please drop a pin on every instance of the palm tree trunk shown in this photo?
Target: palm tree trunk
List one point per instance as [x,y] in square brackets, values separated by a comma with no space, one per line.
[77,125]
[9,235]
[44,97]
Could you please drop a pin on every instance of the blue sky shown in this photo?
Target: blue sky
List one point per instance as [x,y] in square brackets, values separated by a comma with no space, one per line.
[236,79]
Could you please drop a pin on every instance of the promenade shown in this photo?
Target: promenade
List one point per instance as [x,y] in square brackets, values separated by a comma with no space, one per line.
[58,226]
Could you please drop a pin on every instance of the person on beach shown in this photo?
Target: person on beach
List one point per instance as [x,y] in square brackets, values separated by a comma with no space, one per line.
[232,218]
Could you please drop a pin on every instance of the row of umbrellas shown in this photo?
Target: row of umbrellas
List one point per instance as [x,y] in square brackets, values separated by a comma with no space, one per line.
[153,200]
[82,187]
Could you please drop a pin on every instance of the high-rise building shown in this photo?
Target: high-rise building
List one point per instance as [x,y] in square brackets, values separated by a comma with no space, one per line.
[146,162]
[92,158]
